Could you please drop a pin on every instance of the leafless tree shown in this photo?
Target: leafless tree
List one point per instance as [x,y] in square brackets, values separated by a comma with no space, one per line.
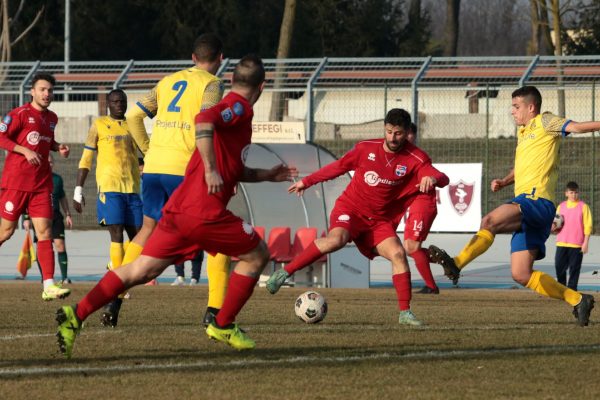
[283,51]
[452,28]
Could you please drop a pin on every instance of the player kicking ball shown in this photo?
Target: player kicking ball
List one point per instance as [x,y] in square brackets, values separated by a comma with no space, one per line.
[196,218]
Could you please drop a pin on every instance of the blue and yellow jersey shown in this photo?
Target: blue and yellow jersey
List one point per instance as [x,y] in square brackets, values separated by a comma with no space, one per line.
[536,158]
[175,101]
[117,167]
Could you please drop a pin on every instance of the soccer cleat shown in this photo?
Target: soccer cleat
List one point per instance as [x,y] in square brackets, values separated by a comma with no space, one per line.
[209,316]
[110,316]
[408,318]
[428,290]
[439,256]
[193,282]
[233,336]
[55,291]
[179,281]
[276,280]
[69,327]
[583,309]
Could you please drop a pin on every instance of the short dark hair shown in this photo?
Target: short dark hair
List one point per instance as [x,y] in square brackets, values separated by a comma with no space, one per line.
[249,71]
[42,76]
[119,91]
[413,128]
[398,117]
[207,47]
[140,160]
[531,94]
[572,185]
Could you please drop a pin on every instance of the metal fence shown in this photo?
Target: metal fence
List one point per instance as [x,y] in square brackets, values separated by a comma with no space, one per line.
[461,105]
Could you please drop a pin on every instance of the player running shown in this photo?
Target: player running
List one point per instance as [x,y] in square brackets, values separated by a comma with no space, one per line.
[529,215]
[196,217]
[388,174]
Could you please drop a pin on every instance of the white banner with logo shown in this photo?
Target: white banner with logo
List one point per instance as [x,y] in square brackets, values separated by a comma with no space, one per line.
[278,132]
[459,203]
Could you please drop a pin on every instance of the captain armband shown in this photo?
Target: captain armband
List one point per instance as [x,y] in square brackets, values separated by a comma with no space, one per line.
[204,133]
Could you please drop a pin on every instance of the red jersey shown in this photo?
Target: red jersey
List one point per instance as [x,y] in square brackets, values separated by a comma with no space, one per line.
[33,129]
[381,180]
[232,119]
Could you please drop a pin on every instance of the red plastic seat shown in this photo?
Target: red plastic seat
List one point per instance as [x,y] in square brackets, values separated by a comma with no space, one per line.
[303,238]
[279,244]
[260,230]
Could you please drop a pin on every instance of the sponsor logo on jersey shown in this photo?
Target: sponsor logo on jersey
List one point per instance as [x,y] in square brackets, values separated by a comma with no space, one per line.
[238,108]
[344,218]
[372,179]
[400,170]
[461,194]
[7,119]
[31,120]
[227,115]
[3,127]
[371,157]
[33,138]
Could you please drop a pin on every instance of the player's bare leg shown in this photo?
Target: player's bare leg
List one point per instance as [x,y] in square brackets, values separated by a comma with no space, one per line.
[335,239]
[392,249]
[7,229]
[45,253]
[241,286]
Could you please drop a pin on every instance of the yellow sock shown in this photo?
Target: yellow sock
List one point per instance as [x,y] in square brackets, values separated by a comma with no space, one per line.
[125,245]
[217,269]
[116,254]
[546,285]
[133,251]
[476,247]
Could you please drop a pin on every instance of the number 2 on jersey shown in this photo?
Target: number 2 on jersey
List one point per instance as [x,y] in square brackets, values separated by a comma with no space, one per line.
[179,86]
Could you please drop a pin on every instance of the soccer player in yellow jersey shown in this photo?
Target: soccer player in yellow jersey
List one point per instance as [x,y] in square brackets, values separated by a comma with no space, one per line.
[118,206]
[529,215]
[173,103]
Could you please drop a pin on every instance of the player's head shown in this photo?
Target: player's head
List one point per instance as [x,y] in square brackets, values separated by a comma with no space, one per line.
[42,90]
[207,52]
[397,124]
[117,103]
[572,191]
[249,77]
[526,104]
[412,133]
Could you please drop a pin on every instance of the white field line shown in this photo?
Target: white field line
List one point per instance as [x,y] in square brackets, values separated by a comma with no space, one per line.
[427,355]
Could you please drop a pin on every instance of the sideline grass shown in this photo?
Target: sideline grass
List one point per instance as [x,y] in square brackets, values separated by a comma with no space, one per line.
[476,344]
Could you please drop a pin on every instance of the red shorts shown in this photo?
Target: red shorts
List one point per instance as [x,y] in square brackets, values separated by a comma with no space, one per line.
[420,218]
[182,237]
[13,203]
[364,232]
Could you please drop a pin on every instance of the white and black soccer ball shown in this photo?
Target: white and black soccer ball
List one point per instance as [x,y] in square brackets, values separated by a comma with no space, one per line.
[558,222]
[311,307]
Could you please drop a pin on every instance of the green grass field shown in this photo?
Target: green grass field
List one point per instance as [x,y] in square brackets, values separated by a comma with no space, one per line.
[476,344]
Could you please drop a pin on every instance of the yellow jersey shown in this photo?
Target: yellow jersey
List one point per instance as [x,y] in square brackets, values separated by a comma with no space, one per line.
[117,167]
[536,158]
[175,101]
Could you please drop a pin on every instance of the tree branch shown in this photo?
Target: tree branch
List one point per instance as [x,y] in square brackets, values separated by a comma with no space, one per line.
[26,31]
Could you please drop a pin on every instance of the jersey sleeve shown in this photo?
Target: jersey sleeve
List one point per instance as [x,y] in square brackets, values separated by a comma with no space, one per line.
[9,129]
[554,125]
[145,107]
[427,169]
[588,224]
[90,146]
[213,93]
[223,115]
[346,163]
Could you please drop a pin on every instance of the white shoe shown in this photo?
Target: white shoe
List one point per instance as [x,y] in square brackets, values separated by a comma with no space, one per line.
[179,281]
[193,282]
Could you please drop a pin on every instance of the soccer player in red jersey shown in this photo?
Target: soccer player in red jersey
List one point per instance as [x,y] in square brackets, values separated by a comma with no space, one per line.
[27,133]
[196,217]
[388,174]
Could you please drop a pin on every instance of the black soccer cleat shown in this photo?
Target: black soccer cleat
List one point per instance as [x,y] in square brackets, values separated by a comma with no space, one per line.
[583,309]
[110,316]
[428,290]
[439,256]
[209,316]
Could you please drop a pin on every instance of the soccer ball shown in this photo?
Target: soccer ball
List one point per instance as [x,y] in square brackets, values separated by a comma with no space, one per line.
[558,222]
[311,307]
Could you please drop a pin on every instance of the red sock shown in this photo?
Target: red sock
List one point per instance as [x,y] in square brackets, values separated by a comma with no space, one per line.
[421,258]
[307,257]
[402,285]
[109,287]
[46,257]
[239,290]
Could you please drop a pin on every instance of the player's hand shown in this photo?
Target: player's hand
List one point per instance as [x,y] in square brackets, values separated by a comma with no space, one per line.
[496,185]
[64,150]
[282,173]
[32,157]
[69,221]
[297,188]
[78,199]
[427,184]
[584,248]
[213,181]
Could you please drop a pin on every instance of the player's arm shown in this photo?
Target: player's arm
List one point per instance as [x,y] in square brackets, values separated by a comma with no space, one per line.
[279,173]
[582,127]
[588,226]
[64,204]
[204,143]
[62,149]
[9,129]
[431,177]
[145,107]
[213,93]
[347,163]
[498,184]
[85,164]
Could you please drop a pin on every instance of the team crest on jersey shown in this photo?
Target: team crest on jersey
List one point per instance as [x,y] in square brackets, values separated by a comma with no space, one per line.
[461,194]
[400,170]
[33,138]
[7,119]
[31,120]
[227,115]
[371,157]
[238,108]
[3,127]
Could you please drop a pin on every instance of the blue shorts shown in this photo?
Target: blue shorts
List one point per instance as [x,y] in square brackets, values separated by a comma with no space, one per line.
[115,208]
[156,189]
[536,222]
